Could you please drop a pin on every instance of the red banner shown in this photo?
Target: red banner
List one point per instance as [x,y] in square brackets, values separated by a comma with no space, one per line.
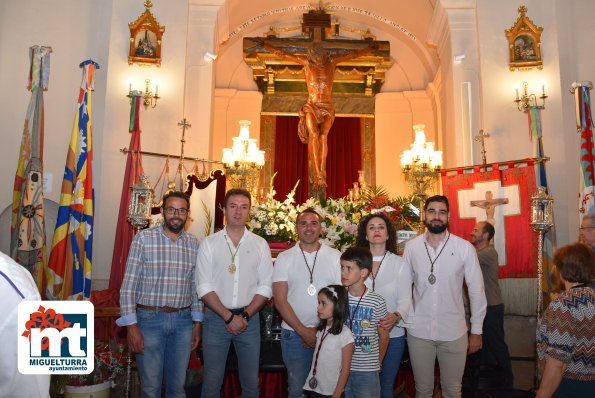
[503,198]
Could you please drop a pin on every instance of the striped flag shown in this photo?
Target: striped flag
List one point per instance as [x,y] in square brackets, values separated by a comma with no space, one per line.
[550,282]
[132,173]
[69,267]
[27,243]
[584,126]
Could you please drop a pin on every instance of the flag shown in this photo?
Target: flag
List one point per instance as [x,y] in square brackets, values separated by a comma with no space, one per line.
[134,169]
[550,281]
[69,267]
[503,198]
[27,228]
[584,126]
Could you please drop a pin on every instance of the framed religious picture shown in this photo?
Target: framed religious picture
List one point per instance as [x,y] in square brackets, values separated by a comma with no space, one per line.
[524,43]
[145,39]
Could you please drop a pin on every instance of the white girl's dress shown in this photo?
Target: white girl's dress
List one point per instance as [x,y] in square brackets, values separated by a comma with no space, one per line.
[329,361]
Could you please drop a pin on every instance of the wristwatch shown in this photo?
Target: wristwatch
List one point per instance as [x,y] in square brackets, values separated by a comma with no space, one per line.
[246,316]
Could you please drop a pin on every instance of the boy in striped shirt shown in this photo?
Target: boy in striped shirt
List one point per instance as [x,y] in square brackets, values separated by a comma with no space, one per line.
[366,308]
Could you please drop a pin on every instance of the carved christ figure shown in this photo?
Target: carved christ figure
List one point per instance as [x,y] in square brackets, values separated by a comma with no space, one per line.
[318,113]
[489,205]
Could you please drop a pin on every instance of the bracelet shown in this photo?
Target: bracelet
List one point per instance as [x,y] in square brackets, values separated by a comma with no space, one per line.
[246,316]
[227,322]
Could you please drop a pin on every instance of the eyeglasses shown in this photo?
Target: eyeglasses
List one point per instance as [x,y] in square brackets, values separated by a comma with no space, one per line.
[583,228]
[172,210]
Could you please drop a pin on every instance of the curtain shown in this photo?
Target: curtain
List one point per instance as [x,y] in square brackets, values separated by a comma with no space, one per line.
[343,161]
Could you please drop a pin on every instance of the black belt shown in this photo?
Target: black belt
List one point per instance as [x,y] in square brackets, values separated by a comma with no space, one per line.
[161,309]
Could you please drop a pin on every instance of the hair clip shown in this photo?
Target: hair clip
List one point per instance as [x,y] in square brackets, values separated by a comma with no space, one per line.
[335,294]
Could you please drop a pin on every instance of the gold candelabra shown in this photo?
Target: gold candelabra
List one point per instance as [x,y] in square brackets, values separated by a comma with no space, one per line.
[526,101]
[244,160]
[421,164]
[149,99]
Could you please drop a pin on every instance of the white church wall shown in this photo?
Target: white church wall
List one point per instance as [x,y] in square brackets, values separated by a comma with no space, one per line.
[77,30]
[396,113]
[507,126]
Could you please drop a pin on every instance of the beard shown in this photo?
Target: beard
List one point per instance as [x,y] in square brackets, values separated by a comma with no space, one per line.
[172,227]
[436,228]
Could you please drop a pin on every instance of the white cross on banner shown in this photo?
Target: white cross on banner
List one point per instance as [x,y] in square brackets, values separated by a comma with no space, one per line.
[490,201]
[502,197]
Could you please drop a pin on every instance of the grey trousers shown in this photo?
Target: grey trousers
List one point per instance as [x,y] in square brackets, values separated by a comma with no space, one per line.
[452,356]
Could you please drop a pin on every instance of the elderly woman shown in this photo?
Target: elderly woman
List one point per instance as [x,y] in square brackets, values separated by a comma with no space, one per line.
[391,278]
[566,333]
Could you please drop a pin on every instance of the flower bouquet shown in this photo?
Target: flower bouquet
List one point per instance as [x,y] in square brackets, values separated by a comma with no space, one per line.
[274,220]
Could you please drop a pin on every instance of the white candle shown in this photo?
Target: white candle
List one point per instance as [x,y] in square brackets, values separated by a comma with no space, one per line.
[156,90]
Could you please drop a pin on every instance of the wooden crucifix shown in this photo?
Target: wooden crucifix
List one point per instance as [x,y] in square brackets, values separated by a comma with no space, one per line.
[319,57]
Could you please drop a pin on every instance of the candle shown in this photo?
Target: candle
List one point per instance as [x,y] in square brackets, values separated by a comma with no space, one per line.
[516,90]
[156,90]
[129,87]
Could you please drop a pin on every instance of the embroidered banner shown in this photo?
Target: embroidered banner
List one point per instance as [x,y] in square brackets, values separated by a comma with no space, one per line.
[503,198]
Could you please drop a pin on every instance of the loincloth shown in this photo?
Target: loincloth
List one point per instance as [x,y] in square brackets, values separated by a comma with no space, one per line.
[320,110]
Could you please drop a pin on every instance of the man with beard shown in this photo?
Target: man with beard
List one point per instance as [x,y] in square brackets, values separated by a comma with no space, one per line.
[233,278]
[158,303]
[299,274]
[440,263]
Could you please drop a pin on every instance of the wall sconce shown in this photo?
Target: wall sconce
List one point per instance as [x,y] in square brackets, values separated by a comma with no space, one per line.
[149,99]
[209,57]
[526,100]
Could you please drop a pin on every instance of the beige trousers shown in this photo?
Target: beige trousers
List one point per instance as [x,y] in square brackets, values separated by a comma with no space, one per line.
[452,356]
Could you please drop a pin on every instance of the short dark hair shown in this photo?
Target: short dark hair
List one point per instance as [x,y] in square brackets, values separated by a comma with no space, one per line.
[576,263]
[175,194]
[488,229]
[437,198]
[237,191]
[336,294]
[362,240]
[359,255]
[307,210]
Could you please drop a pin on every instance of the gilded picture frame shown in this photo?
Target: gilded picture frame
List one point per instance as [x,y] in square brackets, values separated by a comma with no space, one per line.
[524,43]
[145,39]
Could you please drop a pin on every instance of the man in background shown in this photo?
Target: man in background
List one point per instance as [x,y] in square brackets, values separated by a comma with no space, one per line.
[494,351]
[588,230]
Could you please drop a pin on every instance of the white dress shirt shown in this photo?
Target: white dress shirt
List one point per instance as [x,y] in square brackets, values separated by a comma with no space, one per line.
[393,283]
[290,267]
[253,263]
[438,309]
[16,282]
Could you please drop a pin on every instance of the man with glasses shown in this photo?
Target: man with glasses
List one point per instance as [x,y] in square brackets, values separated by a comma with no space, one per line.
[233,278]
[440,263]
[588,230]
[158,303]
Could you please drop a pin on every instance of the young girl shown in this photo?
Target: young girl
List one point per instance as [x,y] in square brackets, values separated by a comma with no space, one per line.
[334,345]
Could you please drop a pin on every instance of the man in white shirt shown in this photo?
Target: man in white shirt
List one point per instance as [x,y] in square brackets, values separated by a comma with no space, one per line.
[298,275]
[16,285]
[233,279]
[440,262]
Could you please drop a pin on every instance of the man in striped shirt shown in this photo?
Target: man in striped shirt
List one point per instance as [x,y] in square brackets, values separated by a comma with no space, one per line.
[158,303]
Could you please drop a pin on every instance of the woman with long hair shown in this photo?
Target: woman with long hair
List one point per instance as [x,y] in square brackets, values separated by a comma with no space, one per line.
[391,278]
